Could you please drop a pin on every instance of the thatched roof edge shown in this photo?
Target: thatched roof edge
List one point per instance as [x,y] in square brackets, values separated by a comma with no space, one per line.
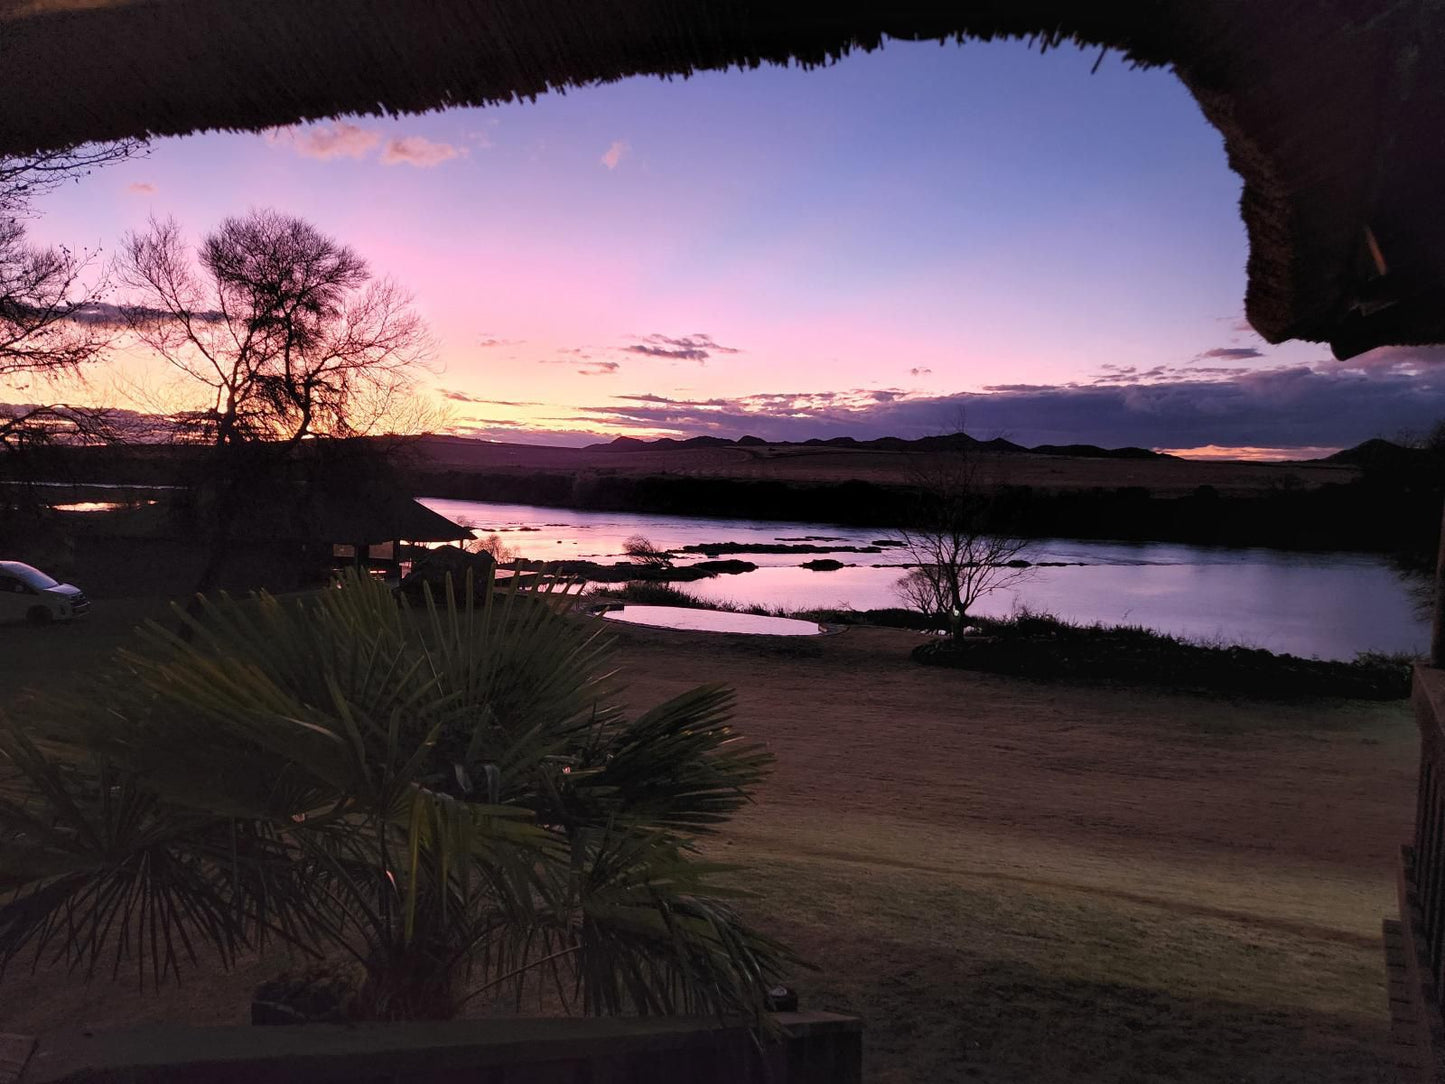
[1332,112]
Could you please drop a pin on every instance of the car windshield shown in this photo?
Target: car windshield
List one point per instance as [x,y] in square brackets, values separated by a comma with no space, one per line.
[31,577]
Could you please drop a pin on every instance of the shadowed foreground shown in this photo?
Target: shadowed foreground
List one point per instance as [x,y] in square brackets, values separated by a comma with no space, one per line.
[1010,881]
[1006,881]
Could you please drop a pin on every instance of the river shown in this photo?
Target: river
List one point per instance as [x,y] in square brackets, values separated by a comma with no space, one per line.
[1324,605]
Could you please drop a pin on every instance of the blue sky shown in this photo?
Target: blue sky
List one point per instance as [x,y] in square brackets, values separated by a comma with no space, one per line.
[800,253]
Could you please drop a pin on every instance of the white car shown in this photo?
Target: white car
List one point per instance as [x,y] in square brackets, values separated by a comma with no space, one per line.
[27,594]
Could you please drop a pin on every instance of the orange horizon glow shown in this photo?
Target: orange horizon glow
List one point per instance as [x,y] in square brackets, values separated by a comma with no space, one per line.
[1249,454]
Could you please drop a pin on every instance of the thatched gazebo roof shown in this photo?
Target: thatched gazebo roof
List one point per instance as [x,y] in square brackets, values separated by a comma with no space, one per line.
[380,517]
[368,517]
[1332,111]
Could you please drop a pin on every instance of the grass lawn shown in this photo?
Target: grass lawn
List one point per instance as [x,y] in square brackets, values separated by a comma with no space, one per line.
[1007,881]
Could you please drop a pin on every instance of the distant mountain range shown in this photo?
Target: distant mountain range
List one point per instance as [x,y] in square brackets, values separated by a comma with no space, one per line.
[955,441]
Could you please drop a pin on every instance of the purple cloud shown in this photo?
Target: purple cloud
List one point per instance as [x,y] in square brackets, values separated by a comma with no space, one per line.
[1328,406]
[697,347]
[1232,353]
[463,397]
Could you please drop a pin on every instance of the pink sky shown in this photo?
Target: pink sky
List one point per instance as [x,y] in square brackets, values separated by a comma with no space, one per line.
[866,246]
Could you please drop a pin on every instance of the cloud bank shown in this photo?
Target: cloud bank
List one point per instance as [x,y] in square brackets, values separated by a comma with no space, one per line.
[1299,411]
[1310,409]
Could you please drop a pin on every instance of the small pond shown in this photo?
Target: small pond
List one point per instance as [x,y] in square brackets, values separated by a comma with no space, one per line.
[693,620]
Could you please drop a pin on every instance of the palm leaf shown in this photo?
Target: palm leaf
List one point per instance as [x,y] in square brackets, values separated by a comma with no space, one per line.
[430,791]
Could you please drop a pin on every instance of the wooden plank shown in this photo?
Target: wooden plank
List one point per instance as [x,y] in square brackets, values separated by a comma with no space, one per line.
[1409,1036]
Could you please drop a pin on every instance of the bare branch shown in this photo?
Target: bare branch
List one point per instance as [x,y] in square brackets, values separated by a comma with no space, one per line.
[958,552]
[43,425]
[23,179]
[285,326]
[48,298]
[41,290]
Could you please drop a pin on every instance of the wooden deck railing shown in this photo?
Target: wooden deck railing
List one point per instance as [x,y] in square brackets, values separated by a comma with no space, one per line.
[1415,945]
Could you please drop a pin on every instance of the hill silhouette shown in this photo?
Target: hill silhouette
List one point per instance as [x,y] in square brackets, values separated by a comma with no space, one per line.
[1377,454]
[948,442]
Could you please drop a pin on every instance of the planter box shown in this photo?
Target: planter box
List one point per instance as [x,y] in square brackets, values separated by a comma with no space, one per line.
[818,1048]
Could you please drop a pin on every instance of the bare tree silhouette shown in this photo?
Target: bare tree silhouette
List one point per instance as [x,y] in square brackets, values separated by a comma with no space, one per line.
[47,332]
[287,330]
[286,333]
[953,538]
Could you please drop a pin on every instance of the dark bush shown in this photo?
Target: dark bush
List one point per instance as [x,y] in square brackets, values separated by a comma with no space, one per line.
[1046,649]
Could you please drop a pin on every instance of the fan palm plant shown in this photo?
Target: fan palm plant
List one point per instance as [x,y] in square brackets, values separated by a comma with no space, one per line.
[448,795]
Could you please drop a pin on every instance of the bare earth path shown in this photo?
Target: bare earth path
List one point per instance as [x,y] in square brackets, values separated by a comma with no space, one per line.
[1007,881]
[1013,881]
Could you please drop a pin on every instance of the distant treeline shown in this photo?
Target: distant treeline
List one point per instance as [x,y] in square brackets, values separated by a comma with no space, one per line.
[1378,513]
[1392,506]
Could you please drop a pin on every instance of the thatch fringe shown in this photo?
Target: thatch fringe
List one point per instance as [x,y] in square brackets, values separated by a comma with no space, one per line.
[1332,114]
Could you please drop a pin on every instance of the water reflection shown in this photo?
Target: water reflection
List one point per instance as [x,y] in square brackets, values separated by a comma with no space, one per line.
[1327,605]
[680,617]
[99,506]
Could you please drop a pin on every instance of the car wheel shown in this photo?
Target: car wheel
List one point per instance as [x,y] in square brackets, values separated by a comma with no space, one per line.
[39,615]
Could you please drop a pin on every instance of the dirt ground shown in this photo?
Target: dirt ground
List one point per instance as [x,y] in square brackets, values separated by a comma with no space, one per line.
[1008,881]
[1014,881]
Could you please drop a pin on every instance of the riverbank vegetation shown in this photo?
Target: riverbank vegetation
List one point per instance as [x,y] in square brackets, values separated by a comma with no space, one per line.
[1041,647]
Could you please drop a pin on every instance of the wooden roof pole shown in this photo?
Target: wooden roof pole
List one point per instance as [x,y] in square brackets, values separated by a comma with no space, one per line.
[1437,631]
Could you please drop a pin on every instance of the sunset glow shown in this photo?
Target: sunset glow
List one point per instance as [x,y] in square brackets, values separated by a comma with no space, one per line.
[1053,254]
[1256,455]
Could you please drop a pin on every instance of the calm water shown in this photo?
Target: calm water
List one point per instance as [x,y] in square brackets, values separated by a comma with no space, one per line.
[1327,605]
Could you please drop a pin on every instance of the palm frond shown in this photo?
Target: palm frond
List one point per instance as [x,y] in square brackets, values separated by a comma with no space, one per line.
[679,766]
[439,793]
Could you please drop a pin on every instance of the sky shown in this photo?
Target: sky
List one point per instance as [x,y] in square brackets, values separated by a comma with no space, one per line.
[882,247]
